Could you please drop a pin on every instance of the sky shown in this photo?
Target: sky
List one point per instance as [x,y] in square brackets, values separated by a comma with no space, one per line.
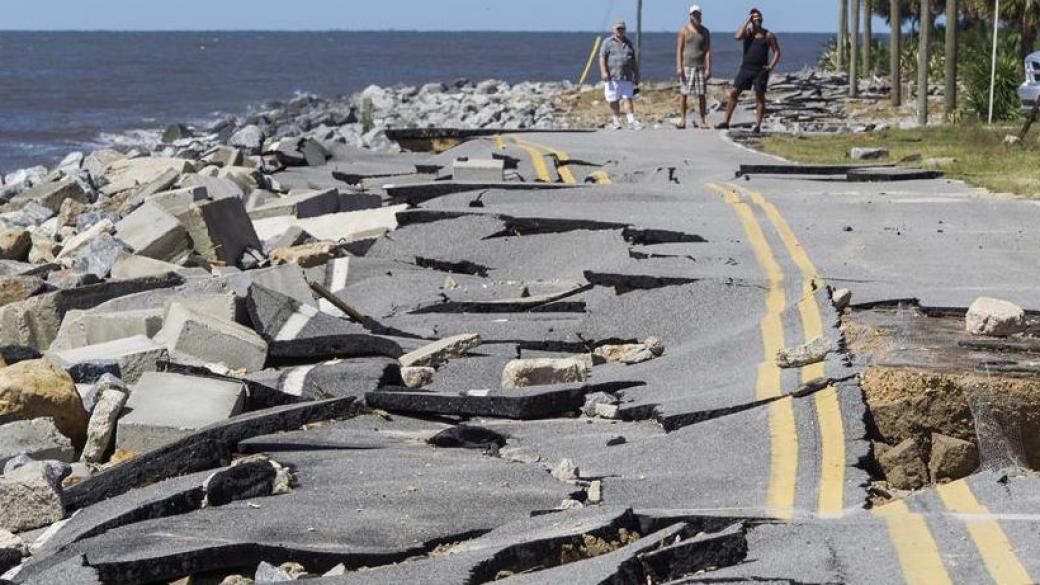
[440,15]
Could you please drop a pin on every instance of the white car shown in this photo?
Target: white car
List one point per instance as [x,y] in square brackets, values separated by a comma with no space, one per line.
[1029,91]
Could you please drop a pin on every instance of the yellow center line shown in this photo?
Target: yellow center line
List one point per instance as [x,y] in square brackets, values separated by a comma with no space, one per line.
[831,496]
[540,170]
[918,554]
[563,157]
[500,143]
[783,433]
[990,539]
[601,177]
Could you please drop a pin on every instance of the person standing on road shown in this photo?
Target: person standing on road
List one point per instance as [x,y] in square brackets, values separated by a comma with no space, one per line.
[620,72]
[693,65]
[761,55]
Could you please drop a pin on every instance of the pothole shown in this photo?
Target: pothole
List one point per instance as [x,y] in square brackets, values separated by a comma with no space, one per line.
[943,403]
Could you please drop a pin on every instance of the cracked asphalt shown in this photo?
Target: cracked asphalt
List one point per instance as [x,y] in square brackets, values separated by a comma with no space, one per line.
[726,272]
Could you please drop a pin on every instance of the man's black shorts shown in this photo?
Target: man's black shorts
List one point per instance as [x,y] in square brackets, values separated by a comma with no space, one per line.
[748,78]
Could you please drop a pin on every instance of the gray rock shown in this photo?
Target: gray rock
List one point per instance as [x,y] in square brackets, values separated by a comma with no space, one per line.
[595,399]
[99,255]
[220,230]
[30,496]
[994,317]
[814,351]
[152,232]
[417,377]
[198,339]
[841,299]
[268,573]
[102,426]
[249,138]
[127,357]
[566,470]
[105,382]
[51,195]
[38,438]
[868,153]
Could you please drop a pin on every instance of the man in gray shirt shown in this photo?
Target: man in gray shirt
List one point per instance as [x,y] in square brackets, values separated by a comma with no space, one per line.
[620,72]
[693,65]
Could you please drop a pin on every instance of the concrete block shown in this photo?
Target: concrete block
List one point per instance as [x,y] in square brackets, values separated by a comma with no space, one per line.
[349,226]
[359,201]
[221,306]
[129,173]
[438,352]
[197,339]
[220,230]
[177,201]
[479,170]
[294,236]
[164,407]
[130,357]
[286,279]
[544,371]
[303,205]
[152,232]
[38,438]
[51,195]
[129,266]
[216,187]
[82,328]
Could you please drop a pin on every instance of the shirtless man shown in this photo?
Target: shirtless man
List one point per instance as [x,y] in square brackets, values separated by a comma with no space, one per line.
[761,54]
[693,65]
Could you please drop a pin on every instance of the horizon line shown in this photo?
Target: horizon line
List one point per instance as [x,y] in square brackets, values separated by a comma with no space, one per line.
[345,30]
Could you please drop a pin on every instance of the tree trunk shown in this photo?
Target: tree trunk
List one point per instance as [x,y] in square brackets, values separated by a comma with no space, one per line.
[843,34]
[1028,37]
[854,51]
[895,50]
[924,57]
[868,38]
[952,18]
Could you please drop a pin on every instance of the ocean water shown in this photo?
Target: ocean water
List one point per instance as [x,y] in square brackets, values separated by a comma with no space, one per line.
[65,91]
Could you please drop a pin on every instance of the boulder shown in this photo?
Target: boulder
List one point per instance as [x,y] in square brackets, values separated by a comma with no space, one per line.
[435,354]
[30,496]
[994,317]
[152,232]
[904,465]
[249,138]
[15,244]
[544,371]
[951,458]
[102,426]
[38,388]
[14,289]
[220,230]
[38,438]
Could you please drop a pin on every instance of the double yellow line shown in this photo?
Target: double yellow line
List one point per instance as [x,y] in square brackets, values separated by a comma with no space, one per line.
[782,428]
[537,153]
[919,556]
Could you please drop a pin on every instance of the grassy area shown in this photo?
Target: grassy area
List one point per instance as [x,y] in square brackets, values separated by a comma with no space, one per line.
[979,154]
[657,104]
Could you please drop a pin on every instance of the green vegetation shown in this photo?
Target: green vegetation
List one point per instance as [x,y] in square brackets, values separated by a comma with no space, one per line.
[980,156]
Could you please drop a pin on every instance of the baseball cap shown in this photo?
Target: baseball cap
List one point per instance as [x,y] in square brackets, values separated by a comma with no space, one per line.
[620,24]
[695,8]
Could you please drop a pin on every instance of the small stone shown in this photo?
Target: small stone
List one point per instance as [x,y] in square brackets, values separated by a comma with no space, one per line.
[268,573]
[595,492]
[841,299]
[519,455]
[566,470]
[236,580]
[994,317]
[543,371]
[15,244]
[102,425]
[904,465]
[595,399]
[610,411]
[570,504]
[812,352]
[417,377]
[434,354]
[450,284]
[952,458]
[868,153]
[295,570]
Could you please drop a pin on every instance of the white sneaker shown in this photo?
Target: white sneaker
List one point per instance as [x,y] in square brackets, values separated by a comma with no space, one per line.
[635,125]
[616,125]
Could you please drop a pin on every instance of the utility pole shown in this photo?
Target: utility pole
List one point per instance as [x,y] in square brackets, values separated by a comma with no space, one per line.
[952,15]
[854,53]
[843,34]
[895,49]
[924,57]
[639,33]
[868,38]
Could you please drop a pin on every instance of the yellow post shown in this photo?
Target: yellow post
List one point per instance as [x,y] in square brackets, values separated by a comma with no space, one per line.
[592,58]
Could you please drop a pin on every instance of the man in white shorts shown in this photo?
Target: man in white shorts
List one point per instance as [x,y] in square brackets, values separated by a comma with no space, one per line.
[693,65]
[620,71]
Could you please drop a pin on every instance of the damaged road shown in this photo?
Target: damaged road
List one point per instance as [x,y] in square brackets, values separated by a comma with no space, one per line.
[386,368]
